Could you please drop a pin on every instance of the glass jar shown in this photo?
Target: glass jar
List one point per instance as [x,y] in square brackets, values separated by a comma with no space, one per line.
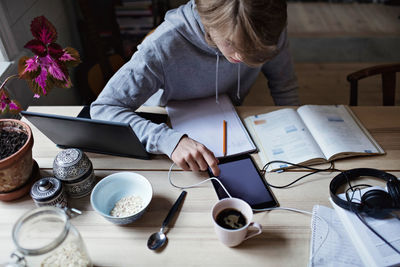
[45,237]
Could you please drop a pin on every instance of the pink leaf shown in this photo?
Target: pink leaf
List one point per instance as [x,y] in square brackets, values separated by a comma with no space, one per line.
[70,57]
[66,57]
[3,100]
[55,50]
[68,83]
[43,30]
[37,47]
[5,103]
[31,65]
[41,80]
[3,95]
[13,106]
[56,69]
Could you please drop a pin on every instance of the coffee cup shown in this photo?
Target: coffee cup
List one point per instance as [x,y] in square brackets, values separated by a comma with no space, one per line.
[233,223]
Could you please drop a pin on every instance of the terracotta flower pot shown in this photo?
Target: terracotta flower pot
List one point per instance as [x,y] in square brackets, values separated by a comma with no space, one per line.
[16,169]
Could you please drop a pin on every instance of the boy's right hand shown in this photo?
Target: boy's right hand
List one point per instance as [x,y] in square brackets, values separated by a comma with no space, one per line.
[192,155]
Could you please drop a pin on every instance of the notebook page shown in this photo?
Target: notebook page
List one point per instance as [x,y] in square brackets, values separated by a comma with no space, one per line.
[373,250]
[202,119]
[336,248]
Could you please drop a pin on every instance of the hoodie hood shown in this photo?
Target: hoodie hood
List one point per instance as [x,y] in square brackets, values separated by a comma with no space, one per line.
[186,20]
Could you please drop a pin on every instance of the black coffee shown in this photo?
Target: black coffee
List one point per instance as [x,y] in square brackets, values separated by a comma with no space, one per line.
[231,219]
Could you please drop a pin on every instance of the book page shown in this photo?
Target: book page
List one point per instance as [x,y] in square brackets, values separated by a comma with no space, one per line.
[202,120]
[371,249]
[330,244]
[282,135]
[335,130]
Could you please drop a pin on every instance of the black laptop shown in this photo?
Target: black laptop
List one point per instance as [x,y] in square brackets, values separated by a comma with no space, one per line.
[98,136]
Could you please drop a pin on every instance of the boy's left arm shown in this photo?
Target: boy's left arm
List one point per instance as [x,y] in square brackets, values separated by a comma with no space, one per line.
[281,77]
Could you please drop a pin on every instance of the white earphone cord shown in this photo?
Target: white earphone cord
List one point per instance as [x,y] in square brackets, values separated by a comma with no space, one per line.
[266,209]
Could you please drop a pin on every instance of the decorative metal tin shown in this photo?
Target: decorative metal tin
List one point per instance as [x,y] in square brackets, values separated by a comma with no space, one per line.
[75,170]
[71,164]
[48,191]
[82,186]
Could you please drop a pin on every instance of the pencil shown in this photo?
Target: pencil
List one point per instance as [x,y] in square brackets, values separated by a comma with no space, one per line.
[224,138]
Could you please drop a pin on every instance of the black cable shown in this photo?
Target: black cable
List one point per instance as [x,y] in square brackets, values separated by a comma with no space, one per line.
[330,168]
[315,170]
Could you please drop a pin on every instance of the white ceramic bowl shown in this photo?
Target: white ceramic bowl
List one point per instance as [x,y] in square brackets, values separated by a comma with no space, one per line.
[116,186]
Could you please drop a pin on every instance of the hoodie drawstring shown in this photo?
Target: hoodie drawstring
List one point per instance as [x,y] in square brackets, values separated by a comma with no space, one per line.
[238,83]
[216,79]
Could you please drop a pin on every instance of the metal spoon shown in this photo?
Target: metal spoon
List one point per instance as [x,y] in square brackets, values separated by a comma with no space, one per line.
[158,239]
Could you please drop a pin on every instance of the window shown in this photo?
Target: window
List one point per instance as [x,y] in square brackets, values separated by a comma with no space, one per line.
[8,47]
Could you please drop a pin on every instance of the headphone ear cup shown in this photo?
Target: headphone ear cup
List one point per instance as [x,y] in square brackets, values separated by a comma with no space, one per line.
[393,186]
[376,203]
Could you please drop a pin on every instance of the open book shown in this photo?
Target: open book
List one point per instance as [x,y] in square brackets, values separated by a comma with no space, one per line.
[310,134]
[202,120]
[371,249]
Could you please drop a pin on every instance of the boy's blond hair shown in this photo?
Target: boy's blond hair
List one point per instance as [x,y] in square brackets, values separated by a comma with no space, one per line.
[252,27]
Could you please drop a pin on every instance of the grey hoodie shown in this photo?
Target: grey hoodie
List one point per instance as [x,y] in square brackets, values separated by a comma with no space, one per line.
[177,59]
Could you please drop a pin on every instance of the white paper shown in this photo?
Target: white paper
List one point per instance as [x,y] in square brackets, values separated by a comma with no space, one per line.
[371,249]
[330,244]
[202,120]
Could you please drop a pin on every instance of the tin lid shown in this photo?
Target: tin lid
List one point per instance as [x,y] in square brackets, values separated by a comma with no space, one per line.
[46,189]
[71,164]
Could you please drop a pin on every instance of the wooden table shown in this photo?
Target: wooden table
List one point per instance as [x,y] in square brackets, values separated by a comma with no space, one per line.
[192,242]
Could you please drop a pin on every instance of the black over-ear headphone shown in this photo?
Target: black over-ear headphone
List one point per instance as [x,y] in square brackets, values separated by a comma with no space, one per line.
[375,203]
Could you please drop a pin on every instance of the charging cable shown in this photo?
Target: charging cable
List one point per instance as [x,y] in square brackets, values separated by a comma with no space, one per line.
[256,210]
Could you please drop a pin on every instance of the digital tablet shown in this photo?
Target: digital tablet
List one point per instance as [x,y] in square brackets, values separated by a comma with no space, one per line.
[98,136]
[243,180]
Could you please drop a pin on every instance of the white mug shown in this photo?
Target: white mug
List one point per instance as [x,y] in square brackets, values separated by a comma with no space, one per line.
[233,237]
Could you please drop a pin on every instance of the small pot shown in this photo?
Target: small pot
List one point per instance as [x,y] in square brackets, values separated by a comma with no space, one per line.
[16,169]
[49,191]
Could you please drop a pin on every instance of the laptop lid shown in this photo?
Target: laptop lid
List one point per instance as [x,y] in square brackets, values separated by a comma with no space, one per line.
[105,137]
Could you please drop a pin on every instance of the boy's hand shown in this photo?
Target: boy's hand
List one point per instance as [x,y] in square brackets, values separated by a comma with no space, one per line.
[191,155]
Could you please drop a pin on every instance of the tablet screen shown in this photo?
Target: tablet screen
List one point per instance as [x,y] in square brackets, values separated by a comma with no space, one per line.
[242,179]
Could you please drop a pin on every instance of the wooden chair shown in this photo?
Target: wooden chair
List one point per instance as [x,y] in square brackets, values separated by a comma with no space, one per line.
[388,73]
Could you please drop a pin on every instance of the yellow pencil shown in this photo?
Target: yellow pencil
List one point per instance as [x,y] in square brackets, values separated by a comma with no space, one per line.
[224,138]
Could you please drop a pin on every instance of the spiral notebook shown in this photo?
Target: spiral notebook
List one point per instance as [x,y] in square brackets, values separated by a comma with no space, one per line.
[330,244]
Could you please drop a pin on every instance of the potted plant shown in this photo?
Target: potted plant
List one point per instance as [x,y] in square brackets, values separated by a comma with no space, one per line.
[47,68]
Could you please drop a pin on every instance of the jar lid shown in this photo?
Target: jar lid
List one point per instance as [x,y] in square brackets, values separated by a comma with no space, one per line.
[68,157]
[46,189]
[71,164]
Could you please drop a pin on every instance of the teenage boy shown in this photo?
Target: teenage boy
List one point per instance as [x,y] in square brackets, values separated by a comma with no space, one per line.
[203,48]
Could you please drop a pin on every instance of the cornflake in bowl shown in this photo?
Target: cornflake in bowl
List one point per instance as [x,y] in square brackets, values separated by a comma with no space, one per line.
[122,197]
